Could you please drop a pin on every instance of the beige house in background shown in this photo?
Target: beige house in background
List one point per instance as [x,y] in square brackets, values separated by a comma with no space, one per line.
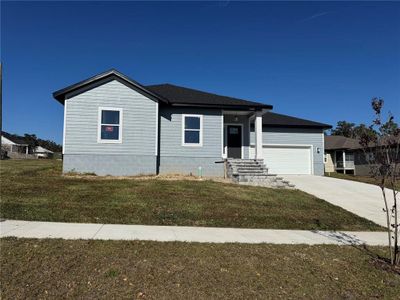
[345,155]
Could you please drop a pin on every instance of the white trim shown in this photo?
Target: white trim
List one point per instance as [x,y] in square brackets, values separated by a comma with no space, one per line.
[157,104]
[64,125]
[99,124]
[294,146]
[226,138]
[222,136]
[258,135]
[200,144]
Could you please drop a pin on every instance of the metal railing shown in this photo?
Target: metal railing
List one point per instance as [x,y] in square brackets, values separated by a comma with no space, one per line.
[349,164]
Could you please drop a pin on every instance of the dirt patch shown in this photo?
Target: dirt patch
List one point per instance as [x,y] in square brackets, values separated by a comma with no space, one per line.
[169,177]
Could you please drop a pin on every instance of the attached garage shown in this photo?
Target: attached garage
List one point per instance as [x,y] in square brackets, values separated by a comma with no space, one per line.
[287,159]
[291,145]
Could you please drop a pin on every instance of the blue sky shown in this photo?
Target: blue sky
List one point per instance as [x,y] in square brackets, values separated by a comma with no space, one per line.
[318,60]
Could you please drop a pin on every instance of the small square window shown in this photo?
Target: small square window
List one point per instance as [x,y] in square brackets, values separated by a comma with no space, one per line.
[233,130]
[192,137]
[109,117]
[192,123]
[109,132]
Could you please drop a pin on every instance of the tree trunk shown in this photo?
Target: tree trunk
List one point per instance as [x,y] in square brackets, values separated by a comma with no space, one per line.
[396,227]
[388,225]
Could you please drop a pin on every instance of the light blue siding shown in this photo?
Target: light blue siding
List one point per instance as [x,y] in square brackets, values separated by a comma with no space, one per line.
[293,136]
[176,158]
[139,131]
[138,128]
[171,133]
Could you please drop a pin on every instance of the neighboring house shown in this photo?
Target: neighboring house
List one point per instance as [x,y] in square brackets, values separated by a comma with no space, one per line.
[346,155]
[339,154]
[41,152]
[15,146]
[114,125]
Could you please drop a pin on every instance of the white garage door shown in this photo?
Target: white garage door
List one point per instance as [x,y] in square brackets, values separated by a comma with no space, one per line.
[286,159]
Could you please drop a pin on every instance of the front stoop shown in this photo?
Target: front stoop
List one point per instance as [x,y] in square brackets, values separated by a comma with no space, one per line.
[254,172]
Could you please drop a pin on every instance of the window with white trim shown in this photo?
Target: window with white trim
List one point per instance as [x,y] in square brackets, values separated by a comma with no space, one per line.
[192,130]
[110,125]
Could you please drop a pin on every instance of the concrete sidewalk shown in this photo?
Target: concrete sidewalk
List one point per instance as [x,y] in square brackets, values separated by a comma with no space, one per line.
[28,229]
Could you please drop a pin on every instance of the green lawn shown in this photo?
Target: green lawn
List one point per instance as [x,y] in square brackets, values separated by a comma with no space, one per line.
[59,269]
[35,190]
[365,179]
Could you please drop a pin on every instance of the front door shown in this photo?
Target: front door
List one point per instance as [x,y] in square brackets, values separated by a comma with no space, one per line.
[234,141]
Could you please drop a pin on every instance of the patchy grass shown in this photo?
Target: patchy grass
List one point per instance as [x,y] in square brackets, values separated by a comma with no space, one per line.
[57,269]
[35,190]
[365,179]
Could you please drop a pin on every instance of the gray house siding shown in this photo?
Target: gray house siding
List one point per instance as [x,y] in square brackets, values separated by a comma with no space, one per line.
[291,136]
[105,164]
[136,154]
[176,158]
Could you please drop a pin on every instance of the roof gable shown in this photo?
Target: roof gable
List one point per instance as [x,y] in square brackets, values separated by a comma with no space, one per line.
[16,139]
[100,79]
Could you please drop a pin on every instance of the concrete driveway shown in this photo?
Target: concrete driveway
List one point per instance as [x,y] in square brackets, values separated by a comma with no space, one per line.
[362,199]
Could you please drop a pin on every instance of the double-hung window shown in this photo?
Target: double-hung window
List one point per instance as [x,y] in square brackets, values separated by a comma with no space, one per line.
[110,125]
[192,130]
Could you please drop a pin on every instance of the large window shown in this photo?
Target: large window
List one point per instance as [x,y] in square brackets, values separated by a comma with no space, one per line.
[192,127]
[110,125]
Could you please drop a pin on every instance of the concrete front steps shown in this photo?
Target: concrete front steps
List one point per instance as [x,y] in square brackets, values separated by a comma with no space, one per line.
[254,172]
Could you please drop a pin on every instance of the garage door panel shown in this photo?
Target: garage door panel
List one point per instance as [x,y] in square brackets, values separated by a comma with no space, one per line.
[286,160]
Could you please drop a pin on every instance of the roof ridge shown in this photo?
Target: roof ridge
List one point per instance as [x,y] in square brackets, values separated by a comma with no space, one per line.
[204,92]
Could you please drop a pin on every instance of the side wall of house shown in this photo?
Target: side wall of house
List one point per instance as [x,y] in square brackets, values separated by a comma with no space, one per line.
[176,158]
[136,154]
[296,136]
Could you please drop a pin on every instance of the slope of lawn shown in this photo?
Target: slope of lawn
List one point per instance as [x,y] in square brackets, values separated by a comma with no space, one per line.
[36,190]
[60,269]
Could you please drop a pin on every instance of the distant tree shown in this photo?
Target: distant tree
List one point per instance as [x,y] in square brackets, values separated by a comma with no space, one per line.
[50,145]
[32,141]
[362,129]
[344,128]
[382,152]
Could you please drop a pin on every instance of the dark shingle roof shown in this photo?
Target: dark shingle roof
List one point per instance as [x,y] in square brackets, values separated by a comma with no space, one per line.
[166,93]
[181,95]
[20,140]
[335,142]
[278,120]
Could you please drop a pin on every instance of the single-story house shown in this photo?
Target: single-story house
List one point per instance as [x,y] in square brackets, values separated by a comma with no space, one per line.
[42,152]
[345,155]
[114,125]
[16,146]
